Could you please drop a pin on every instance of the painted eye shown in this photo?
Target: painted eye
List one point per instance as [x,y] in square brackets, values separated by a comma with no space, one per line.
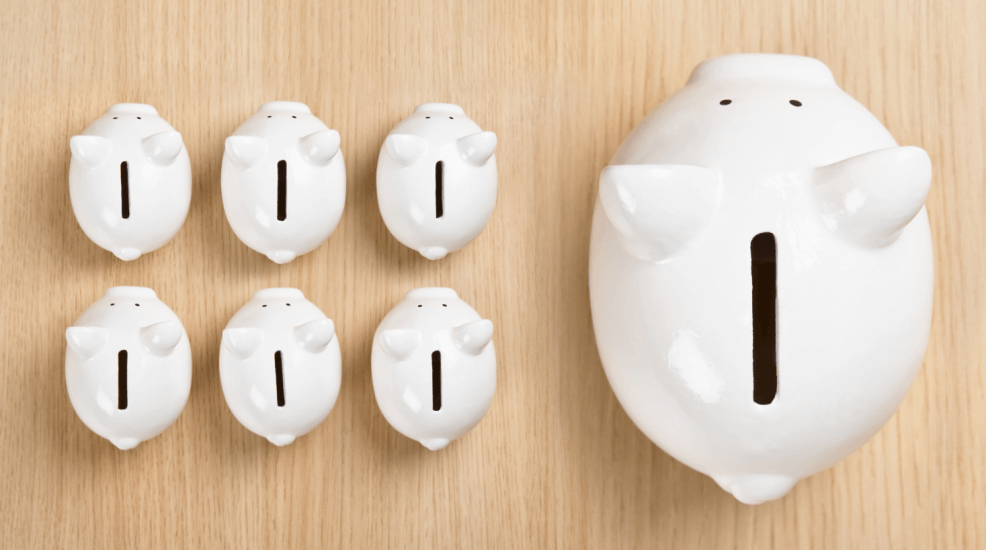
[795,102]
[138,118]
[114,118]
[725,102]
[265,305]
[268,116]
[292,116]
[450,118]
[427,117]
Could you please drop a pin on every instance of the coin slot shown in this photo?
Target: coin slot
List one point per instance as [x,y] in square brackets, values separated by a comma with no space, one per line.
[279,375]
[439,189]
[282,190]
[121,380]
[763,266]
[436,380]
[124,190]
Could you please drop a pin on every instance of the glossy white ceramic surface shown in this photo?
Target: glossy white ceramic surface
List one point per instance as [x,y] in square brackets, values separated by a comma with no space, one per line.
[283,181]
[755,144]
[280,365]
[434,367]
[436,180]
[128,366]
[130,180]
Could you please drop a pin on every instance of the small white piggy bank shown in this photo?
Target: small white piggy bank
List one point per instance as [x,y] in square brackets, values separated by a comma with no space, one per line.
[434,367]
[283,181]
[280,365]
[436,180]
[128,366]
[130,180]
[760,272]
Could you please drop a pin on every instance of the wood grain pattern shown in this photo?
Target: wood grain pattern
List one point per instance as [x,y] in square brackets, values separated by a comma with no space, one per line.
[556,463]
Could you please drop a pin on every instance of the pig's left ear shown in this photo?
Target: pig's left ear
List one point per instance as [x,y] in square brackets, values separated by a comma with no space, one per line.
[399,343]
[162,148]
[243,342]
[477,148]
[658,208]
[870,198]
[90,150]
[245,151]
[319,148]
[473,337]
[86,341]
[315,335]
[405,149]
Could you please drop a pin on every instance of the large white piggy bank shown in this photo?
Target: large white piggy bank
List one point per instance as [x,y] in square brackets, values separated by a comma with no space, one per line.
[283,181]
[280,365]
[130,180]
[128,367]
[761,273]
[434,367]
[436,180]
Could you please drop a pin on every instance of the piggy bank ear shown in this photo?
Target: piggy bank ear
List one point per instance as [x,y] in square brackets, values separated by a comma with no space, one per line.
[477,148]
[405,149]
[870,198]
[243,342]
[473,337]
[161,338]
[657,209]
[314,336]
[245,151]
[399,343]
[319,148]
[162,148]
[90,150]
[86,341]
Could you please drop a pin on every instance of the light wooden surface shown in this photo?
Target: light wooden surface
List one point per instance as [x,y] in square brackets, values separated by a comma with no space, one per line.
[556,463]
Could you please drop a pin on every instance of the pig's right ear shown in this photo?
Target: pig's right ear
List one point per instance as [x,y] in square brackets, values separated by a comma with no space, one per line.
[658,208]
[90,150]
[86,341]
[163,147]
[245,151]
[161,338]
[473,337]
[399,343]
[320,147]
[405,149]
[243,342]
[869,199]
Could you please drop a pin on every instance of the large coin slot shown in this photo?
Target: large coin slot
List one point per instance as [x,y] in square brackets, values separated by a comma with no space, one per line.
[436,380]
[763,266]
[282,190]
[121,380]
[439,189]
[279,376]
[124,190]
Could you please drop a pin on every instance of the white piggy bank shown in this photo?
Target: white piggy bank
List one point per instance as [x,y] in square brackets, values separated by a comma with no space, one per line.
[128,367]
[280,365]
[761,273]
[283,181]
[130,180]
[434,367]
[436,180]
